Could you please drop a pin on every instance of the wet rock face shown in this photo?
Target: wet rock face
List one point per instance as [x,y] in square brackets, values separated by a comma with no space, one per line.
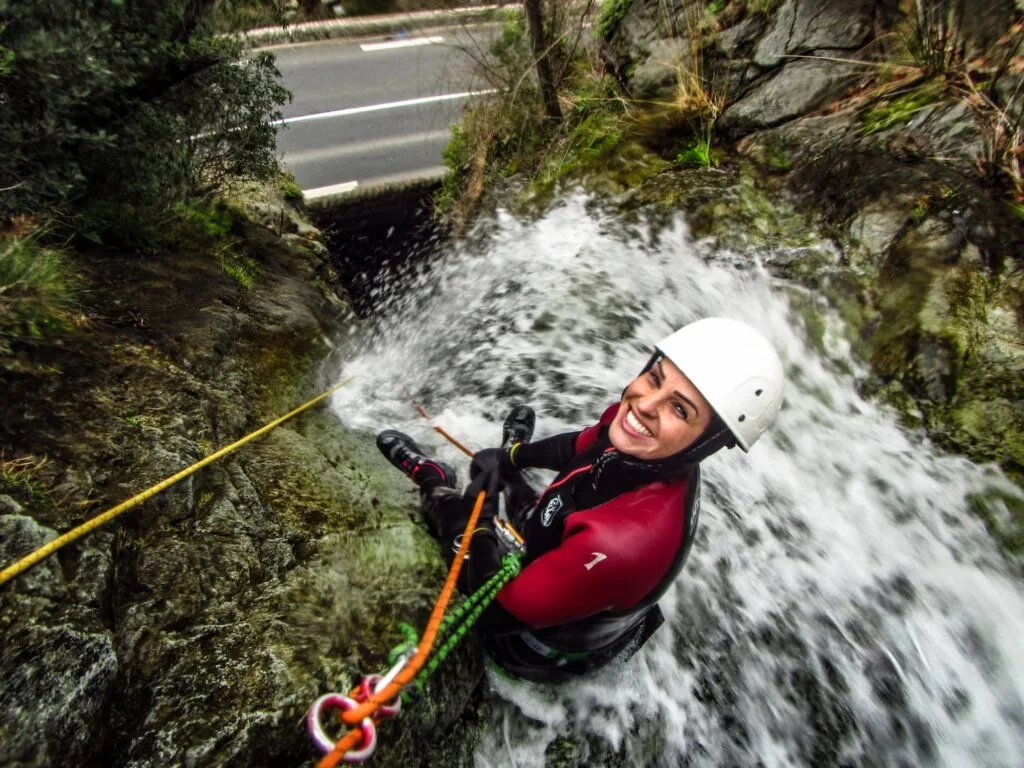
[802,26]
[198,628]
[751,56]
[939,260]
[792,91]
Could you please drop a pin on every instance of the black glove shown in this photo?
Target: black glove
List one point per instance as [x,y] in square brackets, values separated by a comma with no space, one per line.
[485,552]
[491,459]
[487,479]
[456,516]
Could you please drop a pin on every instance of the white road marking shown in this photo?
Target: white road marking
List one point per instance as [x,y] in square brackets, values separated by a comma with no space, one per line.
[410,43]
[324,154]
[333,189]
[379,107]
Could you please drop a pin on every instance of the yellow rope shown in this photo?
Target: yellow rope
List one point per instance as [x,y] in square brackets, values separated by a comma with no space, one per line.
[48,549]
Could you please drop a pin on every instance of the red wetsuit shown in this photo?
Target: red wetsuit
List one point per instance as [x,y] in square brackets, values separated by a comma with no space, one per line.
[603,542]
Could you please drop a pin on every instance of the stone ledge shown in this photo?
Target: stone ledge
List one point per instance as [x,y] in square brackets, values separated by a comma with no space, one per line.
[363,26]
[362,194]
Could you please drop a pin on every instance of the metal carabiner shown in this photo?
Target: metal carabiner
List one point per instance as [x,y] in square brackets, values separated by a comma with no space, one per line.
[373,684]
[380,682]
[324,743]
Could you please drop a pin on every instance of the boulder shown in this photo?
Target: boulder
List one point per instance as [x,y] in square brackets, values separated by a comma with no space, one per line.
[803,26]
[794,90]
[660,72]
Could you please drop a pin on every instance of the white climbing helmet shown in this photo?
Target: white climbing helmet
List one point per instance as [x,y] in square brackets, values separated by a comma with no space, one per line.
[735,368]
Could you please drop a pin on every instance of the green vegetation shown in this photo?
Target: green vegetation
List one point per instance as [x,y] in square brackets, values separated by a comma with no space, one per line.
[38,291]
[244,270]
[288,187]
[888,112]
[457,156]
[208,222]
[1003,514]
[150,109]
[6,56]
[933,36]
[698,153]
[20,479]
[612,14]
[777,157]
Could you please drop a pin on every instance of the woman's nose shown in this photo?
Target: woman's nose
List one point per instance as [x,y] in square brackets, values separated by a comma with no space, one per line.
[648,401]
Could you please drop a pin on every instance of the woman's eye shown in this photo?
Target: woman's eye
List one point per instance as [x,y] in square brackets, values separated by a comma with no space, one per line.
[681,411]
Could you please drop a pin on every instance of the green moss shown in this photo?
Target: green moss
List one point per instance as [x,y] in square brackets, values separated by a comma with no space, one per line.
[812,318]
[206,222]
[612,14]
[289,187]
[243,269]
[1003,513]
[595,147]
[892,111]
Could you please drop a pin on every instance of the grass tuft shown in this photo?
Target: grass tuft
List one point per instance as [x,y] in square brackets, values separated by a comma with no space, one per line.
[38,292]
[244,270]
[892,111]
[20,479]
[698,153]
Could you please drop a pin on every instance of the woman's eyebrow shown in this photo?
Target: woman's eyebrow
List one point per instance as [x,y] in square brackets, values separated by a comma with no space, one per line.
[679,394]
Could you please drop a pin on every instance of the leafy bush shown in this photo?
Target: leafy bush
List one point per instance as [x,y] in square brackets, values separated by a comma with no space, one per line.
[149,108]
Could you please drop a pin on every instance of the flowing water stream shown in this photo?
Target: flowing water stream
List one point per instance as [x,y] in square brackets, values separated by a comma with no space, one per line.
[841,605]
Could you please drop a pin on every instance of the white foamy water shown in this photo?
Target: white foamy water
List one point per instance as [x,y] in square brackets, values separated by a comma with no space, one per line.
[841,606]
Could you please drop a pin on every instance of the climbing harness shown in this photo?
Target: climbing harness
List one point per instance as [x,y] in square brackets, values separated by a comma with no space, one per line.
[362,710]
[48,549]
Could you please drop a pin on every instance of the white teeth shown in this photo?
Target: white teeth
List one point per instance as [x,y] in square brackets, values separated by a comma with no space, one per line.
[635,424]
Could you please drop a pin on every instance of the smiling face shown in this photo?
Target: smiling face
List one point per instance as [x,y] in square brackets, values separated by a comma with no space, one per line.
[661,413]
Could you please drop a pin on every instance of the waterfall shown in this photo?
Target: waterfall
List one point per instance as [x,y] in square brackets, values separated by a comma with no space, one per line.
[841,606]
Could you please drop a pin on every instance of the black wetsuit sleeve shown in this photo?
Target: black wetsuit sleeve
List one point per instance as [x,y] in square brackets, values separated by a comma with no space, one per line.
[549,453]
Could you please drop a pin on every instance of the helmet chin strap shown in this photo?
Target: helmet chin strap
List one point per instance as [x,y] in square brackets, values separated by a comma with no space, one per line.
[715,437]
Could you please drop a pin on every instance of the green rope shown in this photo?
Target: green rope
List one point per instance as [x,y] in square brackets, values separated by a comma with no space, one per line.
[409,646]
[458,622]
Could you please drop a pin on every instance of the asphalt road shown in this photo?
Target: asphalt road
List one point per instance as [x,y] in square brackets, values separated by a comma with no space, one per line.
[374,111]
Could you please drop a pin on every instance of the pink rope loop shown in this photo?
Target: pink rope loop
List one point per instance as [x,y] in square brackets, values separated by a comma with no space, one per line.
[324,742]
[390,709]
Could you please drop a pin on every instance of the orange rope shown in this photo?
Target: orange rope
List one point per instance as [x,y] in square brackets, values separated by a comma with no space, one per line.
[444,434]
[371,705]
